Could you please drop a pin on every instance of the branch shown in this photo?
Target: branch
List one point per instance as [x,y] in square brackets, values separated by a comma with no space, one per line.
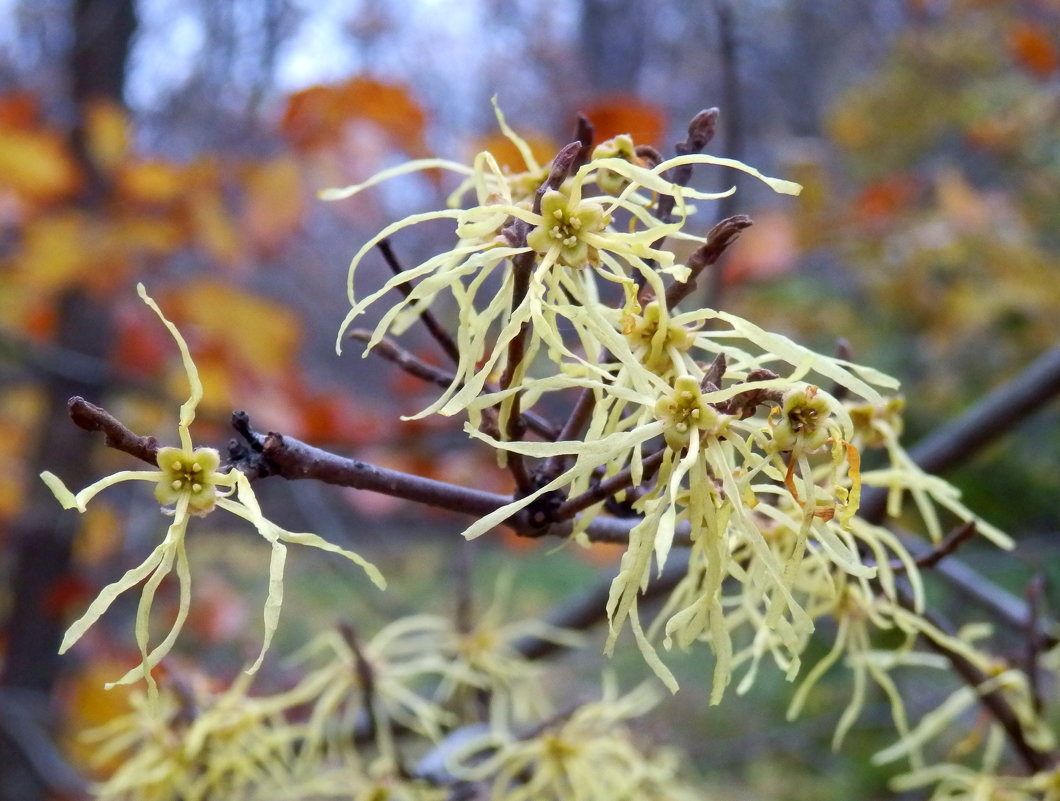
[393,352]
[720,237]
[441,336]
[93,418]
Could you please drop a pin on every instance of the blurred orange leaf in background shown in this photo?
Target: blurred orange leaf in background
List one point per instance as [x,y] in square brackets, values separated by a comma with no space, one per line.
[316,117]
[616,114]
[275,202]
[36,165]
[1033,48]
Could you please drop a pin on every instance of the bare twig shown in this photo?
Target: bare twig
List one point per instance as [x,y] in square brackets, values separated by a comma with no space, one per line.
[994,701]
[441,336]
[522,269]
[393,352]
[93,418]
[1035,595]
[949,545]
[607,488]
[720,237]
[700,131]
[579,416]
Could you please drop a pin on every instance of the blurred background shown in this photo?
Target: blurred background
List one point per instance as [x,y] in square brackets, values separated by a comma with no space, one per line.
[182,144]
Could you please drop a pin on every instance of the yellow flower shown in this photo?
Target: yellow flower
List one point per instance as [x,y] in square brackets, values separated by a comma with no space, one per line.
[186,483]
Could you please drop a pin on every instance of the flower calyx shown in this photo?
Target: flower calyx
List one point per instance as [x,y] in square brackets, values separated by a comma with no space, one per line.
[653,345]
[684,410]
[564,226]
[188,473]
[803,422]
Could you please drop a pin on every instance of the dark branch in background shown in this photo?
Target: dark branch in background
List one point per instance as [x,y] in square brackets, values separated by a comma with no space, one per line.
[441,336]
[990,418]
[994,701]
[954,443]
[1035,595]
[949,546]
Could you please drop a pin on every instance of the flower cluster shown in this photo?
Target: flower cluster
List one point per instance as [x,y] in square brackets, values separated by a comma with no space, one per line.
[736,444]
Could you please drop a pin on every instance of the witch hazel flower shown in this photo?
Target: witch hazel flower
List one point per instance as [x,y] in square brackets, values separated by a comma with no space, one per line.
[188,483]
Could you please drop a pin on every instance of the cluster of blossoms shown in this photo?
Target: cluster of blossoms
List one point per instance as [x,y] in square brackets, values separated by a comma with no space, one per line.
[737,444]
[731,442]
[382,719]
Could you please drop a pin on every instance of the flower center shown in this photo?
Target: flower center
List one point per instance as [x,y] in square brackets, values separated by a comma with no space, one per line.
[191,474]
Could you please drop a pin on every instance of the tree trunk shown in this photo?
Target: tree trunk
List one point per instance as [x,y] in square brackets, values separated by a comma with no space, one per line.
[42,539]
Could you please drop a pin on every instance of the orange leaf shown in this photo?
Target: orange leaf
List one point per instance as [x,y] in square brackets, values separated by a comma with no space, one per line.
[1033,49]
[37,165]
[618,114]
[275,204]
[882,200]
[18,110]
[765,250]
[315,117]
[507,154]
[106,133]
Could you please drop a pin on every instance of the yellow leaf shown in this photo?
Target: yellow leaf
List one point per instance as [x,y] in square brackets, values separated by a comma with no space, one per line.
[253,330]
[274,202]
[106,133]
[212,227]
[37,165]
[53,254]
[151,183]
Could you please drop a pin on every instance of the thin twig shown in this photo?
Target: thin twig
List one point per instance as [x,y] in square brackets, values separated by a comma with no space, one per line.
[608,488]
[93,418]
[579,416]
[441,336]
[1035,595]
[949,545]
[393,352]
[720,237]
[522,270]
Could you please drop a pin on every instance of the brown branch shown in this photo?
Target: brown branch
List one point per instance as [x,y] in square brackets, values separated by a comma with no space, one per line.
[607,488]
[522,269]
[700,131]
[572,428]
[994,701]
[720,237]
[441,336]
[392,352]
[93,418]
[949,545]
